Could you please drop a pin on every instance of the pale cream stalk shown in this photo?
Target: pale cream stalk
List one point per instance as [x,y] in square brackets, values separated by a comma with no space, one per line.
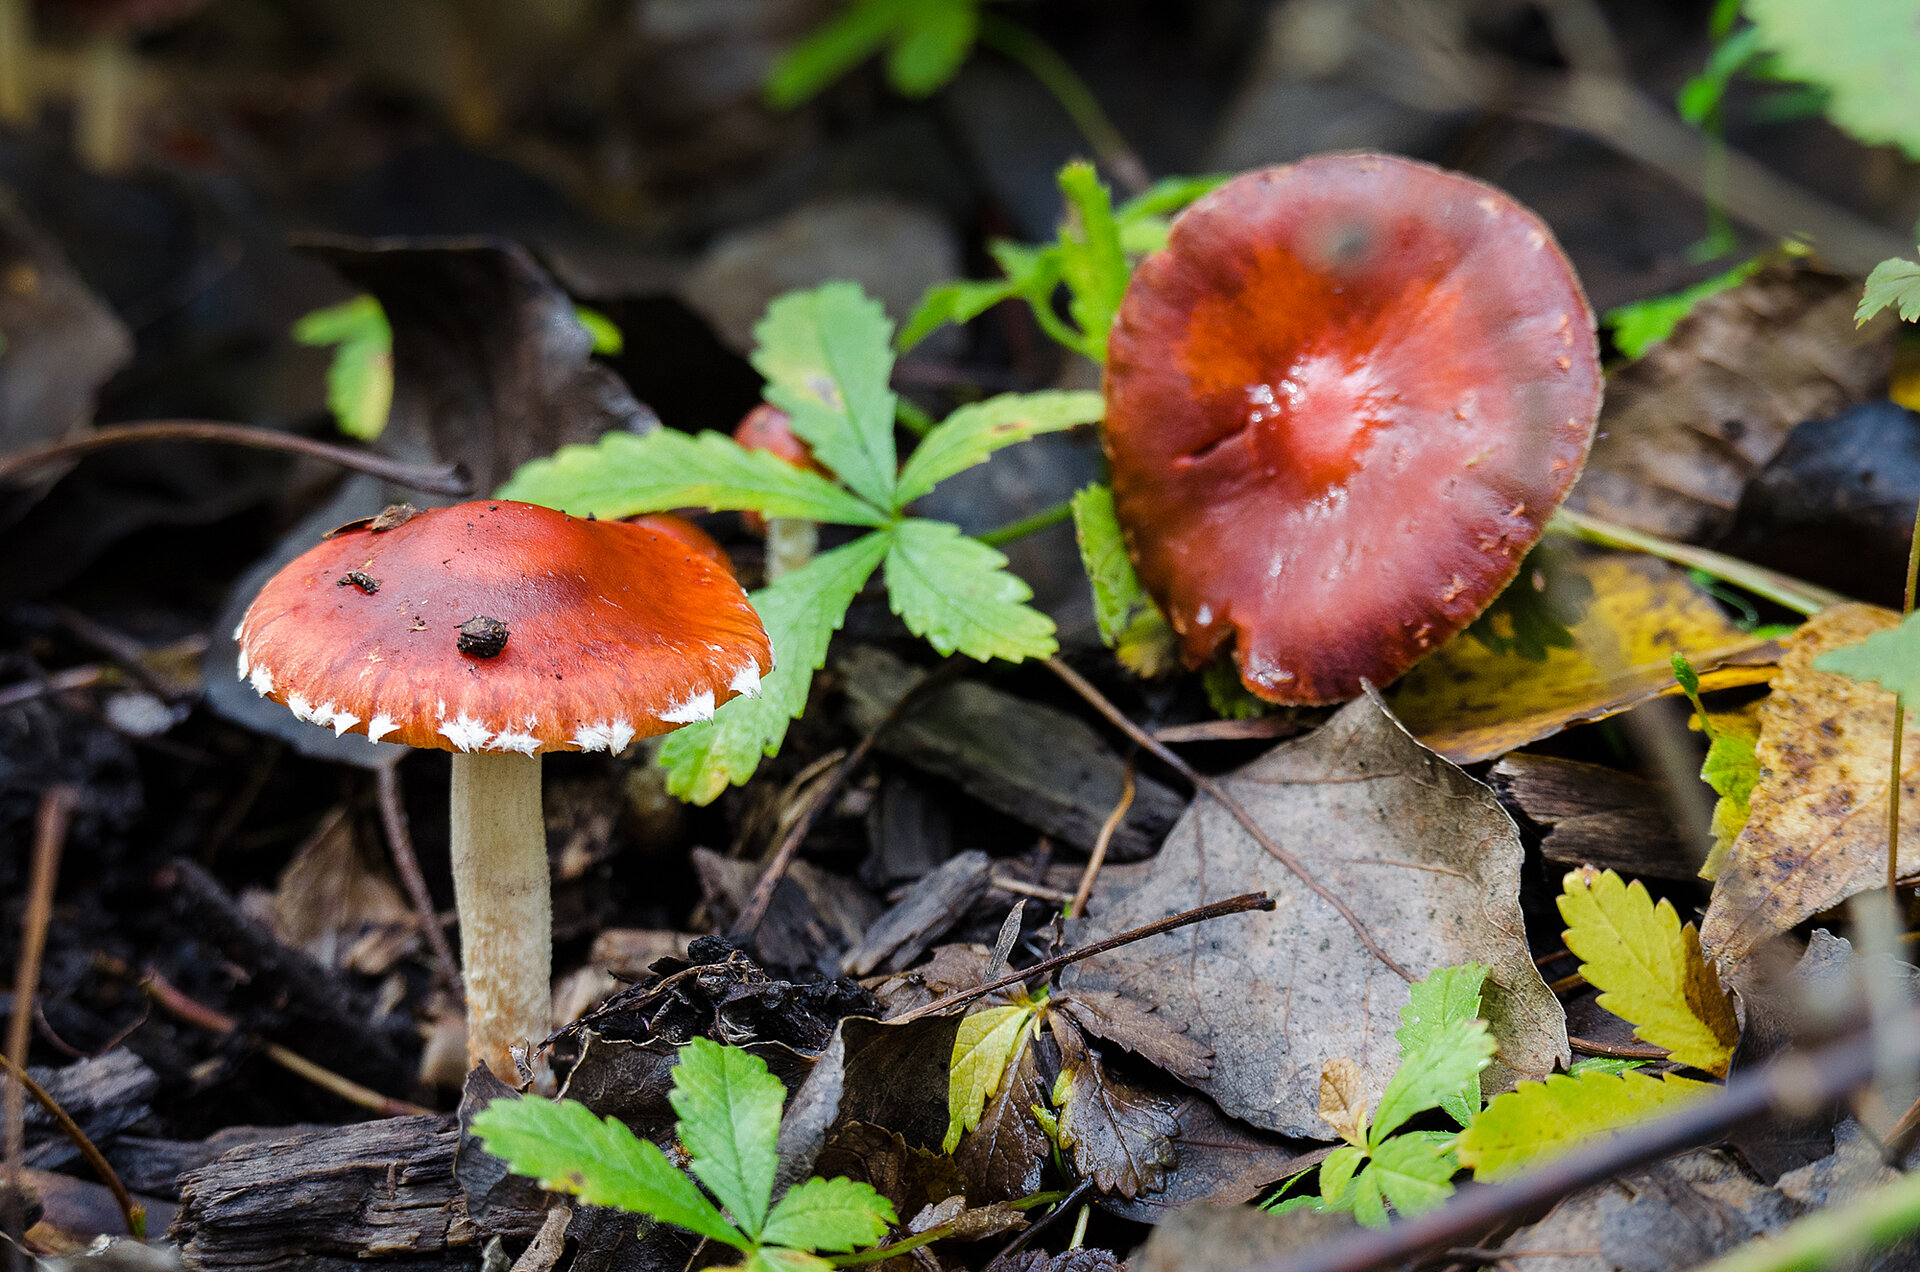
[501,889]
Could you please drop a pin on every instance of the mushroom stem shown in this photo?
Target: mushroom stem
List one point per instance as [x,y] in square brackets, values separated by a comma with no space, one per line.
[500,887]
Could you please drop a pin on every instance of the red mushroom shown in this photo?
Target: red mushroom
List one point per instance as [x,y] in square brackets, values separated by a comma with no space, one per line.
[498,631]
[1341,405]
[791,541]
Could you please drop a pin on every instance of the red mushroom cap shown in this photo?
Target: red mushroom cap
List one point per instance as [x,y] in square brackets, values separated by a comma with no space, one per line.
[678,527]
[1341,406]
[768,428]
[502,626]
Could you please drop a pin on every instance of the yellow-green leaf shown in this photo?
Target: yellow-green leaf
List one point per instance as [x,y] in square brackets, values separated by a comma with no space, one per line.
[986,1044]
[1538,1120]
[1649,968]
[1732,769]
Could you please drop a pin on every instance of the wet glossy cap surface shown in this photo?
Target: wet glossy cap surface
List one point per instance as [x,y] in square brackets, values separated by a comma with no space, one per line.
[1341,406]
[606,632]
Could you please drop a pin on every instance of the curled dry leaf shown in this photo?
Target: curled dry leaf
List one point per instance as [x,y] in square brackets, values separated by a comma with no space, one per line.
[1117,1133]
[1423,854]
[1817,830]
[1471,704]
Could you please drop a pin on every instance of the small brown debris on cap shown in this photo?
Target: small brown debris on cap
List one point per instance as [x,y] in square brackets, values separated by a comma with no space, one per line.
[392,516]
[482,637]
[360,579]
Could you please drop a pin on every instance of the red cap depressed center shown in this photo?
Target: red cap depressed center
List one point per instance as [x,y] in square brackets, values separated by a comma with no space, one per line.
[1341,405]
[606,632]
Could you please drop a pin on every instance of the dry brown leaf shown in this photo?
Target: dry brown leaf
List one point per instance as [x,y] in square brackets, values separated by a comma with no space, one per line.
[1118,1134]
[1422,853]
[329,897]
[1471,704]
[1817,833]
[1152,1035]
[1685,426]
[1001,1158]
[1343,1100]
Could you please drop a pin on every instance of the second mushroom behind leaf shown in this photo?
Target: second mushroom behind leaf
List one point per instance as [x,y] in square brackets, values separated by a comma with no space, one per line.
[499,631]
[1341,405]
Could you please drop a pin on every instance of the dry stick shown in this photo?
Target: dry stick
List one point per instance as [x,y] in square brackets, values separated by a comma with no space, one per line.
[177,1004]
[1792,1084]
[435,479]
[49,837]
[1199,914]
[393,818]
[132,1211]
[769,882]
[1077,908]
[1206,785]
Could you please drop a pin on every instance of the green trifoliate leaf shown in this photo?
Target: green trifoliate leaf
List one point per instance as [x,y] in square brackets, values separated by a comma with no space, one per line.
[1092,261]
[1861,52]
[1537,1120]
[972,433]
[1336,1174]
[568,1149]
[1364,1197]
[1895,283]
[829,1214]
[1130,623]
[826,355]
[926,42]
[1437,1069]
[956,593]
[729,1108]
[360,378]
[987,1043]
[961,300]
[1890,659]
[931,44]
[801,611]
[829,53]
[1449,996]
[621,475]
[1415,1170]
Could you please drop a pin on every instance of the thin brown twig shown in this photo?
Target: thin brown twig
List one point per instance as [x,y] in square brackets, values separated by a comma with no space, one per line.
[131,1211]
[1078,907]
[436,479]
[176,1003]
[393,820]
[49,837]
[1615,1051]
[1219,794]
[1199,914]
[769,882]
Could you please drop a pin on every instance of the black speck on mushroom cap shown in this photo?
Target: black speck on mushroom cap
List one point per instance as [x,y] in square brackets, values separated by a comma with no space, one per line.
[618,632]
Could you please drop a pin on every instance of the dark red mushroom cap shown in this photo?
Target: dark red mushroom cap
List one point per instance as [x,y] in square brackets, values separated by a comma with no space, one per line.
[501,626]
[768,428]
[1341,406]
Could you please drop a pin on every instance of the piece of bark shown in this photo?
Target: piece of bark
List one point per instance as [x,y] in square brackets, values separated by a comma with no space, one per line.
[104,1094]
[1035,764]
[815,916]
[931,907]
[1596,816]
[155,1165]
[372,1195]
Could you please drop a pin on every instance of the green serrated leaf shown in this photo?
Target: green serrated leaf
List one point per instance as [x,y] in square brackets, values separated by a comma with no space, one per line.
[1448,996]
[1415,1170]
[360,378]
[1537,1120]
[1438,1068]
[569,1149]
[1894,282]
[1369,1207]
[1336,1174]
[1130,623]
[1649,968]
[621,475]
[729,1109]
[1092,261]
[930,45]
[801,611]
[961,300]
[782,1259]
[956,592]
[829,1214]
[1603,1064]
[1642,324]
[1890,659]
[800,73]
[1168,195]
[972,433]
[1861,52]
[1732,769]
[827,354]
[987,1043]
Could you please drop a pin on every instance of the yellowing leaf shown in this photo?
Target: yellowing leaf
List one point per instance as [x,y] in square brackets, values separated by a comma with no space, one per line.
[1537,1120]
[1732,768]
[987,1042]
[1817,833]
[1649,969]
[1343,1099]
[1471,704]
